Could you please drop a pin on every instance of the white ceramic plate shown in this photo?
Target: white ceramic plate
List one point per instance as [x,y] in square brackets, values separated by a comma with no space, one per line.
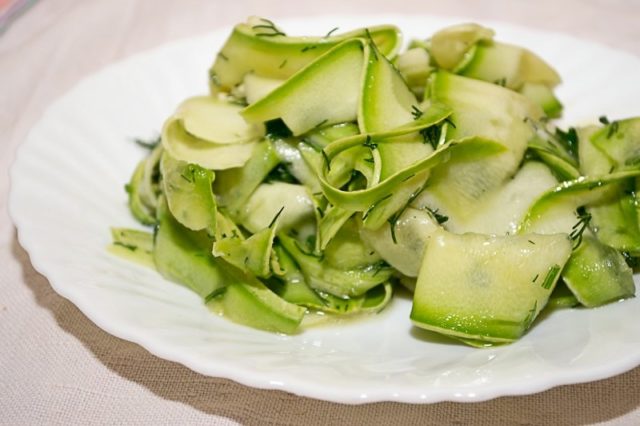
[67,190]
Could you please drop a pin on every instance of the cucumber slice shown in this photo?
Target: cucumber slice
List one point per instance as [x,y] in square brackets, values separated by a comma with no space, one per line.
[496,290]
[327,91]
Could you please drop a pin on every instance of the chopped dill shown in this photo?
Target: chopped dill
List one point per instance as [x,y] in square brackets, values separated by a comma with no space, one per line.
[369,143]
[270,29]
[327,35]
[148,143]
[551,276]
[578,229]
[416,112]
[440,218]
[275,218]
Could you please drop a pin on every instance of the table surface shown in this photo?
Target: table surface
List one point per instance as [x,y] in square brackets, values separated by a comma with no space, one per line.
[56,366]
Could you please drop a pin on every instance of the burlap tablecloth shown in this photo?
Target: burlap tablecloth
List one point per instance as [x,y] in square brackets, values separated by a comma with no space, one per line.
[57,367]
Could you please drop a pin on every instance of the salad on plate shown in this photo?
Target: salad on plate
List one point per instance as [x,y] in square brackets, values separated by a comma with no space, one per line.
[321,175]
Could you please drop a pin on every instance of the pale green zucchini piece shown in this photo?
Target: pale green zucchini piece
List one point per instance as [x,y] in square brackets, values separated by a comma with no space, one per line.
[216,121]
[484,110]
[449,45]
[184,256]
[348,251]
[257,87]
[246,300]
[267,201]
[593,161]
[401,244]
[562,297]
[414,66]
[260,48]
[234,186]
[252,255]
[565,169]
[384,209]
[509,66]
[597,274]
[186,147]
[329,224]
[542,95]
[496,290]
[292,287]
[133,245]
[187,189]
[149,187]
[554,211]
[501,211]
[327,91]
[366,199]
[614,218]
[400,152]
[386,101]
[340,283]
[291,159]
[139,209]
[620,141]
[290,283]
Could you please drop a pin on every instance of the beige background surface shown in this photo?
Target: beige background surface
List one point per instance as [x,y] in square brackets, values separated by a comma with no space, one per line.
[56,367]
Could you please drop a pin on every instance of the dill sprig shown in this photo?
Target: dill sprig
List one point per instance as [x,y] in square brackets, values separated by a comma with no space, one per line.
[148,143]
[577,230]
[369,143]
[612,126]
[333,30]
[372,44]
[551,276]
[275,218]
[270,29]
[393,220]
[416,112]
[531,315]
[440,218]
